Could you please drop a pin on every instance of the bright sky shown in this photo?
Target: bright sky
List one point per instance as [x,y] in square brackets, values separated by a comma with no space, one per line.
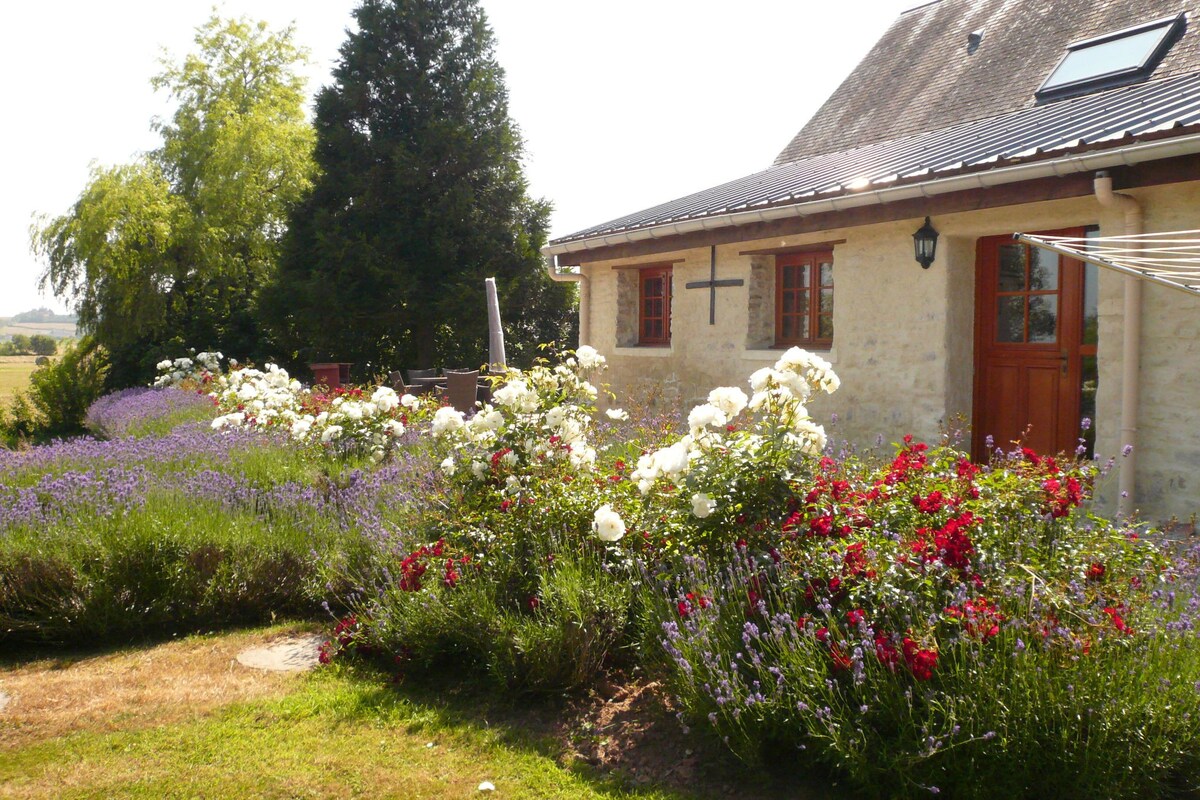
[623,104]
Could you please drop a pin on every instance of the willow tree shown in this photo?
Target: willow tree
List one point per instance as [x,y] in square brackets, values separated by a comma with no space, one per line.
[172,250]
[421,196]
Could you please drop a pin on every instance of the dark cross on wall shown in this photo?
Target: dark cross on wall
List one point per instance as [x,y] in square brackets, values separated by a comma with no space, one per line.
[712,284]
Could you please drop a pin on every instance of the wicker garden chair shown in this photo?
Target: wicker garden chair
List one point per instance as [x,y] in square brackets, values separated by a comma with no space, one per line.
[462,389]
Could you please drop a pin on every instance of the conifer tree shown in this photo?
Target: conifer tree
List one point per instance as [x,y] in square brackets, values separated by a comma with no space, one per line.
[421,196]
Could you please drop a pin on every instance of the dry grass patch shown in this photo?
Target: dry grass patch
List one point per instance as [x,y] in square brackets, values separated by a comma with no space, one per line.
[331,733]
[14,375]
[134,688]
[184,720]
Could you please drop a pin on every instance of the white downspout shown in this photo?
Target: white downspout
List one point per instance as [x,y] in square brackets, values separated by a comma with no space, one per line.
[585,295]
[1131,344]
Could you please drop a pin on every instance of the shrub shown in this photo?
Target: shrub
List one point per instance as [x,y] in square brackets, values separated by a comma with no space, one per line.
[59,394]
[348,422]
[925,624]
[145,412]
[103,540]
[501,570]
[154,570]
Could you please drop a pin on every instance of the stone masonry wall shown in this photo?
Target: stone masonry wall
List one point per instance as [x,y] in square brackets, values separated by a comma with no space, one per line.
[760,324]
[904,337]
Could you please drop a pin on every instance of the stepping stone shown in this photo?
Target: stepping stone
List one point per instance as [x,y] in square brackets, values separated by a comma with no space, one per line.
[5,699]
[293,654]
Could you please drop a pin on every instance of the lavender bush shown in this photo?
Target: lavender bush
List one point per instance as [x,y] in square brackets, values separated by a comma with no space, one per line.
[191,527]
[141,411]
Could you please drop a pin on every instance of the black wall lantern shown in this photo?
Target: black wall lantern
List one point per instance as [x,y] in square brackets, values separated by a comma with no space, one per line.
[925,244]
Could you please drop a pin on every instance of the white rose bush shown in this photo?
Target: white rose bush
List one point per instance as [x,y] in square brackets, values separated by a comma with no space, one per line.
[741,454]
[353,421]
[200,369]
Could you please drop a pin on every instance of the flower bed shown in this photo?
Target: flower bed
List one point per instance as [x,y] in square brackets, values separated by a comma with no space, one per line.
[192,528]
[919,625]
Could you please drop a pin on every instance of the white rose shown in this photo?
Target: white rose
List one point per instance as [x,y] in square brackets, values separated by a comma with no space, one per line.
[511,394]
[673,461]
[446,420]
[705,415]
[588,357]
[812,436]
[581,457]
[488,419]
[703,505]
[329,433]
[385,398]
[617,414]
[448,465]
[607,524]
[729,399]
[761,378]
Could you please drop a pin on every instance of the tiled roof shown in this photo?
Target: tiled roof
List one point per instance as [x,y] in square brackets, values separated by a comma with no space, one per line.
[921,75]
[1114,116]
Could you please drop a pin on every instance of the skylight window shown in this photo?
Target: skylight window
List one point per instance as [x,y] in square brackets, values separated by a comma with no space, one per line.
[1114,59]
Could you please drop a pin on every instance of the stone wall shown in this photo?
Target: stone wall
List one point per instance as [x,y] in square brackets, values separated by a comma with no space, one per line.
[628,297]
[760,323]
[904,337]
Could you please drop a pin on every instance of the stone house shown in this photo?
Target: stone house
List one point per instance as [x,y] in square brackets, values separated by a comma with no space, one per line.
[988,117]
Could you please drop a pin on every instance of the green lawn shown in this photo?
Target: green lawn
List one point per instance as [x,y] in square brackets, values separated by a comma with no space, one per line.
[143,727]
[335,736]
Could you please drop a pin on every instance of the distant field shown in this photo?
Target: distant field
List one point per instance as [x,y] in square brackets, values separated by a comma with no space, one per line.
[58,330]
[14,375]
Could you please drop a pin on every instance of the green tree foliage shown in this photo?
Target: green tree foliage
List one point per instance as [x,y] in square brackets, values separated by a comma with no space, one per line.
[421,196]
[172,250]
[42,345]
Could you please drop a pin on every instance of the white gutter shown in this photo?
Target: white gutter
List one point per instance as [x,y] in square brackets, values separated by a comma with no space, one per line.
[1058,167]
[585,295]
[1131,345]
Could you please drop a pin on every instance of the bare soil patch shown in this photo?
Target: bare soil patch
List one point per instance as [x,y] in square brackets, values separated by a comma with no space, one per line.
[293,654]
[631,731]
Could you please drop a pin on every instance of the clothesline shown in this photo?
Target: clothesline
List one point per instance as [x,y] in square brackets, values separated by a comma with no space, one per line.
[1170,258]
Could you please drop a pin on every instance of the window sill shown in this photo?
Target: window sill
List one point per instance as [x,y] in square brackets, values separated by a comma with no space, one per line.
[645,351]
[773,354]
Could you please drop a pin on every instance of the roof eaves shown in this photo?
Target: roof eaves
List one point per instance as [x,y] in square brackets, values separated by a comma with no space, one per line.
[1127,150]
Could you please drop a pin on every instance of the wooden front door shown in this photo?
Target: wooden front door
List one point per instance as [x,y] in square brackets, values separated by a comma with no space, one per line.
[1034,346]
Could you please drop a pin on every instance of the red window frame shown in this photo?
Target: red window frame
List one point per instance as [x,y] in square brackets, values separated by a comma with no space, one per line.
[654,305]
[800,285]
